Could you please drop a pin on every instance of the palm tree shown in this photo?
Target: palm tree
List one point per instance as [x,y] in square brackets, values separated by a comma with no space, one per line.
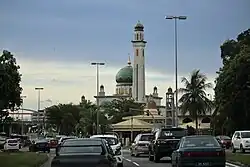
[194,99]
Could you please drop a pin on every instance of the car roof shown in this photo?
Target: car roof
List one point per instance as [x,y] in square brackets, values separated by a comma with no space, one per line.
[98,136]
[242,131]
[198,136]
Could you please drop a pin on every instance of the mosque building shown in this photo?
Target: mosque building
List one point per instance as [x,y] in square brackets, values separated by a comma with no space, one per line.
[130,83]
[130,80]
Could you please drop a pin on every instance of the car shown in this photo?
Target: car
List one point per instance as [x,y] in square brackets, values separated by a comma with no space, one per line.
[241,141]
[84,152]
[140,144]
[115,144]
[225,141]
[53,143]
[203,150]
[40,145]
[12,145]
[164,143]
[2,142]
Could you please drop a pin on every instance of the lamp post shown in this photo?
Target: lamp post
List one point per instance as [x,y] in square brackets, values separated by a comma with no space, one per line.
[97,64]
[175,18]
[170,106]
[22,98]
[38,89]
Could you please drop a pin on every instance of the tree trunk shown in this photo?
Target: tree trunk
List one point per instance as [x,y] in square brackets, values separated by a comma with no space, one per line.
[196,123]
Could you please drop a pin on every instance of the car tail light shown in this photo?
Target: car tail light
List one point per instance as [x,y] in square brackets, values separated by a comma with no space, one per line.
[160,141]
[204,154]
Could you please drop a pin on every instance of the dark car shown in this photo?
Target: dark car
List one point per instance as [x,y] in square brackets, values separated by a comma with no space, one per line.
[84,152]
[164,143]
[225,141]
[40,145]
[198,151]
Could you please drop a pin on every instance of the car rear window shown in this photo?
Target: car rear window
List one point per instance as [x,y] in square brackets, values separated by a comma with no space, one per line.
[200,142]
[146,137]
[225,138]
[12,141]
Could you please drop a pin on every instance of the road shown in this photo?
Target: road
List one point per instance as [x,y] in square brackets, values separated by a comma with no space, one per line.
[129,161]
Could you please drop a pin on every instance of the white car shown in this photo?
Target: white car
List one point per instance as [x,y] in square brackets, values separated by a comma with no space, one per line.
[115,145]
[11,145]
[241,141]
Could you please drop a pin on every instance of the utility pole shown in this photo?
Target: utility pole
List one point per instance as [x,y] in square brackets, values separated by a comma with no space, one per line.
[175,18]
[97,64]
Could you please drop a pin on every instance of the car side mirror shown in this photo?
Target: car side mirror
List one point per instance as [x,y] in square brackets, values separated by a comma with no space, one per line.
[238,137]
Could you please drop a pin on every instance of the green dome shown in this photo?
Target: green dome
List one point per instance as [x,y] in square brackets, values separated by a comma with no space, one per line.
[125,75]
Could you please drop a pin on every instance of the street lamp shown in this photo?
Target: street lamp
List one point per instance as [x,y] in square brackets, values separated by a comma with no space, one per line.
[39,101]
[22,98]
[97,64]
[175,18]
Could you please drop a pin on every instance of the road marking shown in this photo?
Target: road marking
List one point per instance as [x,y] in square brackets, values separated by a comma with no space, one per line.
[128,160]
[231,165]
[136,164]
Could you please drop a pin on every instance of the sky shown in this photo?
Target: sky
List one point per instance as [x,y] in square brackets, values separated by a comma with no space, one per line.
[54,42]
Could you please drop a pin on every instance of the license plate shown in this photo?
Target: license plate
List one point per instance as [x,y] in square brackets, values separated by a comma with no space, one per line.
[203,164]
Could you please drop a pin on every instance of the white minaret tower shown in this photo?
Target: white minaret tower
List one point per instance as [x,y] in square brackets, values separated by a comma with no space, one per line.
[139,64]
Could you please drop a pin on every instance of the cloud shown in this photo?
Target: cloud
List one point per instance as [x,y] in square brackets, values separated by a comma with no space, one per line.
[66,82]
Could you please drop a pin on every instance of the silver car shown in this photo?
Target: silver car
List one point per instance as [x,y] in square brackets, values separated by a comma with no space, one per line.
[140,144]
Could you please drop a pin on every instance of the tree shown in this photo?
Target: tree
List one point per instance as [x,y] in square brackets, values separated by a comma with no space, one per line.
[119,108]
[10,89]
[64,117]
[194,99]
[232,89]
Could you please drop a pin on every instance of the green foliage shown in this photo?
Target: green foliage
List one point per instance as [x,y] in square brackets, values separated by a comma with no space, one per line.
[232,89]
[69,118]
[194,100]
[10,89]
[119,108]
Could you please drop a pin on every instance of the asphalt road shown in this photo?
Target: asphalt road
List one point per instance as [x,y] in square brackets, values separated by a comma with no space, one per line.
[141,161]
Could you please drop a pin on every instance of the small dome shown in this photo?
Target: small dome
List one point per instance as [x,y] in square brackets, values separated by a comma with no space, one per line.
[125,75]
[139,26]
[102,87]
[155,88]
[170,90]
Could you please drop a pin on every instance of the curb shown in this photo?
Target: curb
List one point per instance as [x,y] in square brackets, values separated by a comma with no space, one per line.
[45,163]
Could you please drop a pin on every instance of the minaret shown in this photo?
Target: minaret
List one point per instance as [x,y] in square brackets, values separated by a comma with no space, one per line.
[139,64]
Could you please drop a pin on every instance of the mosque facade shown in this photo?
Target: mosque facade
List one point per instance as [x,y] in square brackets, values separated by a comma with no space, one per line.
[130,80]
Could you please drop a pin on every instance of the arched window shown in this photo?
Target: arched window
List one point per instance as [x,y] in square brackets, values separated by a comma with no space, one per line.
[142,52]
[130,91]
[206,120]
[137,36]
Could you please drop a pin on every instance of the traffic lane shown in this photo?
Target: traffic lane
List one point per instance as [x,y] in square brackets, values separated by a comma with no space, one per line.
[143,161]
[164,162]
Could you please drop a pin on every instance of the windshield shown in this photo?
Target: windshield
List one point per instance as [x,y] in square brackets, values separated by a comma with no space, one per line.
[173,133]
[110,140]
[245,134]
[225,138]
[200,142]
[146,137]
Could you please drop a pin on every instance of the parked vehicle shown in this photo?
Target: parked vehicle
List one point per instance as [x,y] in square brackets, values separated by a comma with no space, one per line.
[84,152]
[140,144]
[115,144]
[40,145]
[241,141]
[2,142]
[198,151]
[53,143]
[225,141]
[12,145]
[164,143]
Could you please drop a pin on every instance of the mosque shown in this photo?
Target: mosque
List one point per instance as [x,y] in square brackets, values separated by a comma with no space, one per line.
[130,83]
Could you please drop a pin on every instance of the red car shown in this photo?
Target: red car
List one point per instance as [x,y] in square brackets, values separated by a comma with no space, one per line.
[226,141]
[53,143]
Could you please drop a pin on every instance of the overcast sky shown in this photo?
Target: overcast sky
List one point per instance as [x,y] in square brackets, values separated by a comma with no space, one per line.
[54,41]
